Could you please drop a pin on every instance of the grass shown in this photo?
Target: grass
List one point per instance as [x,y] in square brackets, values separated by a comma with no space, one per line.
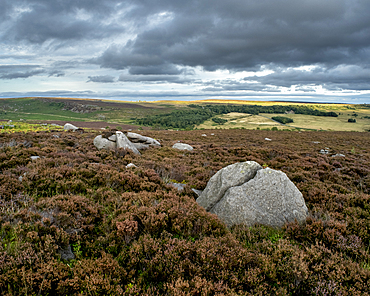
[121,112]
[25,127]
[263,121]
[242,120]
[339,123]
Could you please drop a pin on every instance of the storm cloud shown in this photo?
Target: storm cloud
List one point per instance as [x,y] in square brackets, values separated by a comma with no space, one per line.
[230,47]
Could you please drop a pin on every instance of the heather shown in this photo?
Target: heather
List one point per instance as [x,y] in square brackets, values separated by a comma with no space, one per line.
[133,234]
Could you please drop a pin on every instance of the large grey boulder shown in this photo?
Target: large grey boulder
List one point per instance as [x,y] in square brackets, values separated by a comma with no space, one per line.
[182,146]
[103,143]
[69,126]
[268,198]
[123,142]
[230,176]
[136,138]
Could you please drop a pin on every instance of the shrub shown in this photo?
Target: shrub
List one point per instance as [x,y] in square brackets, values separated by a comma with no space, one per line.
[282,119]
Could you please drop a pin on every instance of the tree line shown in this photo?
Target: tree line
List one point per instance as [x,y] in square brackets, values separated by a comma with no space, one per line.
[197,114]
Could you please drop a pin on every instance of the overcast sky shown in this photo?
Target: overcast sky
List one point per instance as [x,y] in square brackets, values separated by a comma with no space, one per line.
[303,50]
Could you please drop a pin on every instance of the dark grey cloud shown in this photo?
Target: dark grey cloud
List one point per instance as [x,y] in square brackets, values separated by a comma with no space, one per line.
[101,79]
[9,72]
[163,41]
[37,21]
[243,34]
[155,79]
[355,77]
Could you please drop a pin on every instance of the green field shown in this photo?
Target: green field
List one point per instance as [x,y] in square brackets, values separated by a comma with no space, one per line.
[264,121]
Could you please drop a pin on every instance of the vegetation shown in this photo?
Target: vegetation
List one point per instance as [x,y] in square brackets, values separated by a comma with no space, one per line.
[282,119]
[182,114]
[187,119]
[219,120]
[131,234]
[351,120]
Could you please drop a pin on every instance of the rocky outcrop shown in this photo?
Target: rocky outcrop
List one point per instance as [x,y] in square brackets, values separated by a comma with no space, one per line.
[262,196]
[69,126]
[182,146]
[136,138]
[116,140]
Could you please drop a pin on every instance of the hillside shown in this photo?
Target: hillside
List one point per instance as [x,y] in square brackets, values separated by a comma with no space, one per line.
[187,115]
[76,221]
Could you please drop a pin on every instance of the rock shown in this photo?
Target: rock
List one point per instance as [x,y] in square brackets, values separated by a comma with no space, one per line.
[270,198]
[112,141]
[267,139]
[197,192]
[131,165]
[136,138]
[141,146]
[338,155]
[66,253]
[69,126]
[230,176]
[178,186]
[112,138]
[182,146]
[103,143]
[35,157]
[324,151]
[124,142]
[244,193]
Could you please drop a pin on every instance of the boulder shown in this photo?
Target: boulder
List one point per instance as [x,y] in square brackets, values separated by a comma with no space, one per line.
[136,138]
[123,142]
[69,126]
[141,146]
[230,176]
[268,197]
[182,146]
[103,143]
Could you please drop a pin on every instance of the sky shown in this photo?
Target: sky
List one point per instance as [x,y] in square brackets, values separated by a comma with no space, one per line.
[293,50]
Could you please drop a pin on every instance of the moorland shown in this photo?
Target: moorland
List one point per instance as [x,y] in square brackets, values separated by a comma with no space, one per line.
[77,221]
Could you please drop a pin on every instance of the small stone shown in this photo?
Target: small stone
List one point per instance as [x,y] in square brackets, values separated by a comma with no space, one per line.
[131,165]
[66,253]
[178,186]
[182,146]
[338,155]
